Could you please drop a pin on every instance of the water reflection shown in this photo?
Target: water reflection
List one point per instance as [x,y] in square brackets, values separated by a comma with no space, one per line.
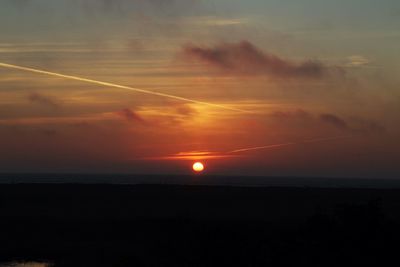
[26,264]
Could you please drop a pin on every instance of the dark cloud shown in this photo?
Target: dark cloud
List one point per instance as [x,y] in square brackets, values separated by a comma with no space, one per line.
[43,100]
[373,126]
[368,126]
[185,110]
[357,125]
[334,120]
[353,125]
[245,58]
[136,45]
[130,115]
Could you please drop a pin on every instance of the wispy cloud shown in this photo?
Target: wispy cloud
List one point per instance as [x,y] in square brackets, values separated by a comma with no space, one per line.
[216,21]
[357,61]
[351,125]
[356,125]
[297,113]
[241,152]
[193,155]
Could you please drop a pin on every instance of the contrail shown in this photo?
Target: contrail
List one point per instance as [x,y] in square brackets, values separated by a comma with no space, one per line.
[260,147]
[317,140]
[203,155]
[70,77]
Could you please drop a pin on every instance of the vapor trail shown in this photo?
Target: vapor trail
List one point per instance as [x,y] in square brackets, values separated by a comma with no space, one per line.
[317,140]
[70,77]
[203,155]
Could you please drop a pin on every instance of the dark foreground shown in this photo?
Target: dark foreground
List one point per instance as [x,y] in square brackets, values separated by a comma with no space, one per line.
[150,225]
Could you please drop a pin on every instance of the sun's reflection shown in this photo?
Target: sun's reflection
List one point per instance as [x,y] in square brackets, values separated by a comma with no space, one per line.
[26,264]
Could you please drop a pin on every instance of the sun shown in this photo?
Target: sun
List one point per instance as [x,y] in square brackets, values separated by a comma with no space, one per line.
[198,167]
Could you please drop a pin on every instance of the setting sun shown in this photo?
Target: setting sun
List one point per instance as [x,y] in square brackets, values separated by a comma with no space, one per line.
[198,167]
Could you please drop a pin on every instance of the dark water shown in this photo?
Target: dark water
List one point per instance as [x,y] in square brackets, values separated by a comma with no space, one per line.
[107,220]
[132,179]
[26,264]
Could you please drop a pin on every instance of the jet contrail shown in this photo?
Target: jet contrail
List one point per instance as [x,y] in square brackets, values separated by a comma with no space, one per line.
[202,155]
[70,77]
[260,147]
[317,140]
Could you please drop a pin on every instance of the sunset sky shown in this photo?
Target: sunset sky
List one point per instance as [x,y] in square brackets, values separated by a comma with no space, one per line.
[312,85]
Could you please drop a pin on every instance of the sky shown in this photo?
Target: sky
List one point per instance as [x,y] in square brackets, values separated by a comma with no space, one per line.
[271,88]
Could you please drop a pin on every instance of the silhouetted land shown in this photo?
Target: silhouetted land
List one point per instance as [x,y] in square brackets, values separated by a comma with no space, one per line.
[171,225]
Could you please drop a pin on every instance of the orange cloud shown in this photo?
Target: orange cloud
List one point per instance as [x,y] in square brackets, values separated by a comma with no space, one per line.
[193,155]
